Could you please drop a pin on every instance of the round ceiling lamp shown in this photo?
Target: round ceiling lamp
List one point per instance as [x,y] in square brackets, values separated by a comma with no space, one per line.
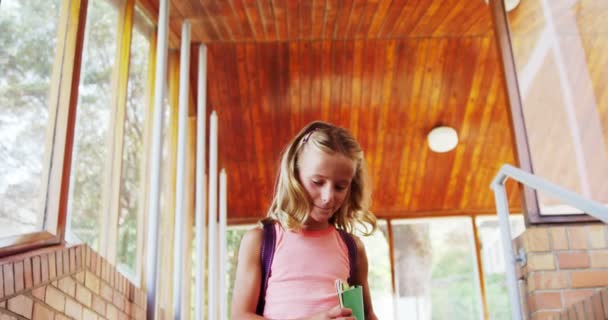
[442,139]
[509,4]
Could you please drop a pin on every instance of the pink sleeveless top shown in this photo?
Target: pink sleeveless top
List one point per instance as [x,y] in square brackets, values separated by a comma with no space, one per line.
[303,273]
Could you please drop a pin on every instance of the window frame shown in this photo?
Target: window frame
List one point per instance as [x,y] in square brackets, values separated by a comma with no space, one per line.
[59,139]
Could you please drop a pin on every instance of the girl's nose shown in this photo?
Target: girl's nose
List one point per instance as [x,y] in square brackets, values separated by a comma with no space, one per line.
[327,194]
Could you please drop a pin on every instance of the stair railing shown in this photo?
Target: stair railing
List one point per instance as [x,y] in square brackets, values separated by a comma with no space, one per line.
[590,207]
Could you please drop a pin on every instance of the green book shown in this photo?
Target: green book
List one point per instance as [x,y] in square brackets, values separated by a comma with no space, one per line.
[352,298]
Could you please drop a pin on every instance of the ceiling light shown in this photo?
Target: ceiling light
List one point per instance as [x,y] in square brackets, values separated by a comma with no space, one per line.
[442,139]
[509,4]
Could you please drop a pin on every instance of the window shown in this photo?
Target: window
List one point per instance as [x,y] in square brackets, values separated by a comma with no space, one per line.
[379,271]
[27,115]
[90,155]
[133,156]
[435,269]
[492,257]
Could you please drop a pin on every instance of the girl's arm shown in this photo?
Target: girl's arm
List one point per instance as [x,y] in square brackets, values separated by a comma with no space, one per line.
[362,268]
[248,276]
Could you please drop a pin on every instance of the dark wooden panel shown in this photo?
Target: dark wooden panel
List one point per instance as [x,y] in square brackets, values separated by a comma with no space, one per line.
[389,93]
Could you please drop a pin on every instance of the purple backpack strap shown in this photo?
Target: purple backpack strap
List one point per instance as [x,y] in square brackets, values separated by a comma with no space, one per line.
[351,245]
[266,256]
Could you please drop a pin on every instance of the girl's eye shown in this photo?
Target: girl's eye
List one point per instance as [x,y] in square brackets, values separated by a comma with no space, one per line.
[340,188]
[317,183]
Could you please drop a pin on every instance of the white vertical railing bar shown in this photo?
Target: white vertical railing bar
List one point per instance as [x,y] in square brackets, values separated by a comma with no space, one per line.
[180,238]
[502,206]
[223,247]
[590,207]
[156,155]
[212,251]
[201,188]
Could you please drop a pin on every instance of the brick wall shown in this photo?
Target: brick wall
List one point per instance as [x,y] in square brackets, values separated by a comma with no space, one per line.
[66,283]
[565,265]
[594,307]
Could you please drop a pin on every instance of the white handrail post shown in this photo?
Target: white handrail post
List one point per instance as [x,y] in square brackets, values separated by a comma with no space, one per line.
[213,261]
[223,246]
[502,206]
[156,156]
[180,238]
[201,189]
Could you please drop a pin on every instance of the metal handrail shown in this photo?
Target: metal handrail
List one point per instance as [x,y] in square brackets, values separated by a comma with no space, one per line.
[590,207]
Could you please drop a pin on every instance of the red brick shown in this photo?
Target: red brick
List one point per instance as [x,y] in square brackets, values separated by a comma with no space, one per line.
[72,253]
[588,279]
[573,296]
[44,268]
[588,307]
[545,315]
[597,236]
[88,314]
[36,270]
[573,260]
[59,262]
[544,300]
[604,295]
[9,283]
[80,277]
[599,258]
[27,273]
[19,282]
[41,312]
[83,295]
[577,237]
[55,298]
[73,309]
[66,261]
[536,239]
[99,305]
[68,286]
[21,305]
[52,266]
[541,261]
[39,293]
[579,310]
[559,239]
[598,309]
[1,283]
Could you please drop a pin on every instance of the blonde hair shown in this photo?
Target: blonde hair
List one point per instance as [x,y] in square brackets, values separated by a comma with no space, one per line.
[291,206]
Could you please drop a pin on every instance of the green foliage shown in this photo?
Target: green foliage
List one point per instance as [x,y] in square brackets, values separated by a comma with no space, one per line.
[27,43]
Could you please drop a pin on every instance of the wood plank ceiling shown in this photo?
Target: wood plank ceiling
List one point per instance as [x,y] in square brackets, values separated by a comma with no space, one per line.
[389,71]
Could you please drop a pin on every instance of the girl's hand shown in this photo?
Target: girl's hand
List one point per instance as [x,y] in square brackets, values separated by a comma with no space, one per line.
[334,313]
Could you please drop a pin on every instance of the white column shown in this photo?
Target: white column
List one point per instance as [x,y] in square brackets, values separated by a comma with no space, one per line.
[180,238]
[201,188]
[213,261]
[156,155]
[222,238]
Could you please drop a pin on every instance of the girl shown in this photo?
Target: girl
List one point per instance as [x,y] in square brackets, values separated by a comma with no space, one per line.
[321,187]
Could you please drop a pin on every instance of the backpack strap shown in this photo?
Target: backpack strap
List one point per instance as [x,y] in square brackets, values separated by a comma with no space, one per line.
[266,256]
[351,245]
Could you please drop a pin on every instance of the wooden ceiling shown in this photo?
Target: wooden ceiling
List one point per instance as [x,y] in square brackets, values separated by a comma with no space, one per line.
[389,71]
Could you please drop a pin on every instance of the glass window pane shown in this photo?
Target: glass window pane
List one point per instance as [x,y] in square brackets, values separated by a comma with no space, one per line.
[132,188]
[560,52]
[436,270]
[93,117]
[492,257]
[233,238]
[379,271]
[28,36]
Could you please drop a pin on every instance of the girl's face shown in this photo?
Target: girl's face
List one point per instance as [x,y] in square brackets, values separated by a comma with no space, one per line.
[326,179]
